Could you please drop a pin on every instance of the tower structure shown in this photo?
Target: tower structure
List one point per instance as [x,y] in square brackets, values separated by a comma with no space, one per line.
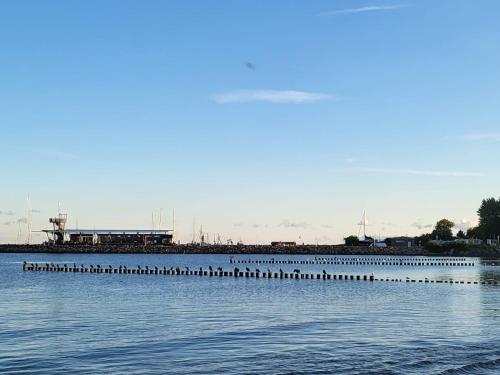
[59,226]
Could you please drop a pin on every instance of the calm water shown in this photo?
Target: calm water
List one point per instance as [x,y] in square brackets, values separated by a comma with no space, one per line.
[98,323]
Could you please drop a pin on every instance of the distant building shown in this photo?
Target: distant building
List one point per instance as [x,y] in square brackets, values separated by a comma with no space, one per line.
[110,236]
[60,235]
[401,241]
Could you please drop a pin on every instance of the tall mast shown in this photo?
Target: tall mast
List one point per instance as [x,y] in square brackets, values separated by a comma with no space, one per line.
[173,224]
[364,224]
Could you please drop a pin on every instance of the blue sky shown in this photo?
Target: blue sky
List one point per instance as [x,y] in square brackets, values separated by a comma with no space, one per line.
[260,120]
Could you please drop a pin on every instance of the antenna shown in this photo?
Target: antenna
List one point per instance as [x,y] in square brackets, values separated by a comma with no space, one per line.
[364,224]
[18,238]
[194,231]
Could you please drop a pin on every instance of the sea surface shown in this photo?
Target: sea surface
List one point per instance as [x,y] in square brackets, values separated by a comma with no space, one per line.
[59,323]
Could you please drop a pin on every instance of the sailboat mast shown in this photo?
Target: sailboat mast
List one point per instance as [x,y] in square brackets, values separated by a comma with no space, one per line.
[364,224]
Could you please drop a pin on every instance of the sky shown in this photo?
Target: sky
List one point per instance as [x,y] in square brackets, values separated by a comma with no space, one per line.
[260,121]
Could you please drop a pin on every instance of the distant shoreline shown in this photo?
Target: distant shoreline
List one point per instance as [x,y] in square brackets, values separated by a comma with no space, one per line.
[245,250]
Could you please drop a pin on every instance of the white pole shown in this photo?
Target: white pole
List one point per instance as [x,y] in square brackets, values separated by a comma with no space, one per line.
[173,225]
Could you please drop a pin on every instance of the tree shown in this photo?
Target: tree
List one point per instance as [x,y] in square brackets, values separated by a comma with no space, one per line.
[461,234]
[423,239]
[489,218]
[442,230]
[473,232]
[351,241]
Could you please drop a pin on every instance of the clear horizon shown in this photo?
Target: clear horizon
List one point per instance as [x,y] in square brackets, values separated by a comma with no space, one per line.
[260,121]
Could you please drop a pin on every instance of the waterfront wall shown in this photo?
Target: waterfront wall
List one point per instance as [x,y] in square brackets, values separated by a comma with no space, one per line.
[243,249]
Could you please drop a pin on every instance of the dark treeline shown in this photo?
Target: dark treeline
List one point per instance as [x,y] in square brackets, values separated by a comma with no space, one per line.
[489,220]
[442,238]
[487,229]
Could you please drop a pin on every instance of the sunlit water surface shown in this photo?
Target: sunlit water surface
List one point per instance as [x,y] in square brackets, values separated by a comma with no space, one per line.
[135,324]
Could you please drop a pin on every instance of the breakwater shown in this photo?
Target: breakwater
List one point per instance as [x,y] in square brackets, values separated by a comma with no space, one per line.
[243,249]
[234,273]
[433,262]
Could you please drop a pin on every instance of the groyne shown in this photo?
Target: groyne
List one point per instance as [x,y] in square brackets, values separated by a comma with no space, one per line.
[405,262]
[490,253]
[234,273]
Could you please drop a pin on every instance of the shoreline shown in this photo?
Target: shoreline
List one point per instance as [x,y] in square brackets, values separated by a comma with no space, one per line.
[480,252]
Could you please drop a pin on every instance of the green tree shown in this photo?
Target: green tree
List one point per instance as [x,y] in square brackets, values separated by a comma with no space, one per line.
[423,239]
[351,241]
[461,234]
[489,218]
[473,233]
[443,230]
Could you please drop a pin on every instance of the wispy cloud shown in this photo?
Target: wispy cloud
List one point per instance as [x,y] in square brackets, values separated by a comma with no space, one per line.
[21,220]
[464,224]
[364,9]
[269,96]
[418,172]
[482,137]
[388,224]
[419,224]
[56,154]
[60,154]
[256,226]
[290,224]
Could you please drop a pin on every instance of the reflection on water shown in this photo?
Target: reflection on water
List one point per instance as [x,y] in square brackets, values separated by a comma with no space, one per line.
[88,323]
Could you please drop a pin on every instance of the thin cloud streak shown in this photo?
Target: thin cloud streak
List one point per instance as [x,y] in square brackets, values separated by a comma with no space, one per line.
[370,8]
[482,137]
[419,224]
[270,96]
[58,154]
[417,172]
[290,224]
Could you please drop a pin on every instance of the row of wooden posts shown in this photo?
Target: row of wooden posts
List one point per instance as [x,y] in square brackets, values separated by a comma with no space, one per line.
[50,267]
[354,261]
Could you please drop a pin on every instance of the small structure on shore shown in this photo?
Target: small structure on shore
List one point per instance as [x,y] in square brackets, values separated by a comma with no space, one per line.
[60,235]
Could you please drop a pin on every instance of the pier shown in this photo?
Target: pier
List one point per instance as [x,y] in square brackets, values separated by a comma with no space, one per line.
[236,273]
